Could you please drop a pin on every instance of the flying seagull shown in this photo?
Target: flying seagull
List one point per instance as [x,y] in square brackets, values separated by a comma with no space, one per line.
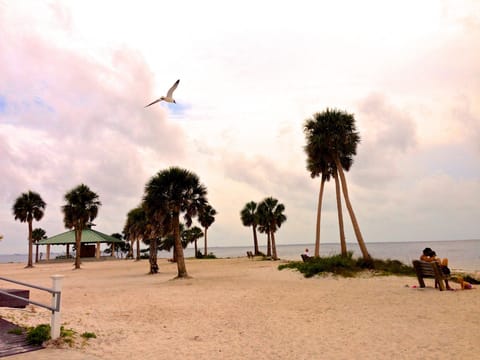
[169,97]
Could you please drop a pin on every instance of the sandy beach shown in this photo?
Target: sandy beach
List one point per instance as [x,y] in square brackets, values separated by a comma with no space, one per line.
[244,309]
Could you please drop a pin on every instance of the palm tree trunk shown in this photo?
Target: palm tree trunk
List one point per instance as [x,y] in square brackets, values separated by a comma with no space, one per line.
[196,249]
[269,248]
[153,256]
[78,241]
[255,240]
[36,253]
[130,251]
[30,245]
[274,247]
[356,227]
[138,248]
[341,229]
[205,250]
[319,212]
[182,270]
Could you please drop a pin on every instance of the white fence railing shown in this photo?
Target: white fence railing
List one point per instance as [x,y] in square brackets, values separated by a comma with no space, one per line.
[56,292]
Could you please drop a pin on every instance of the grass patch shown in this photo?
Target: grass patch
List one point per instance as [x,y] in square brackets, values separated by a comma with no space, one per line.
[89,335]
[16,331]
[347,266]
[41,333]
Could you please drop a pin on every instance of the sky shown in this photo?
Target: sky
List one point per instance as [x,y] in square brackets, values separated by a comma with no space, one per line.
[75,77]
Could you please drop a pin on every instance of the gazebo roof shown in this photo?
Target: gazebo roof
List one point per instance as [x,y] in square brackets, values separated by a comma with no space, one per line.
[88,236]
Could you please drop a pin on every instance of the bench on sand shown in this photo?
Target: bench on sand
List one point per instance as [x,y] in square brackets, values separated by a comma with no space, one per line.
[306,258]
[250,255]
[430,270]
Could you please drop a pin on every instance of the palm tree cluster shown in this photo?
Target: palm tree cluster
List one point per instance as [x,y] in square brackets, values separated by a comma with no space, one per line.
[268,216]
[80,210]
[331,143]
[168,195]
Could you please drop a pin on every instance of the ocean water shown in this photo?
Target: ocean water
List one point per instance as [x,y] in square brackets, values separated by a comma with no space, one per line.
[462,254]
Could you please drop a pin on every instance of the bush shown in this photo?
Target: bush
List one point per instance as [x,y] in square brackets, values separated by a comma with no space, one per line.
[39,334]
[347,266]
[89,335]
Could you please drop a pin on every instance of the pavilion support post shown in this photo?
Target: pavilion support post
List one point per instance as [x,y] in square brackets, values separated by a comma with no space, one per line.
[68,250]
[48,251]
[97,254]
[113,250]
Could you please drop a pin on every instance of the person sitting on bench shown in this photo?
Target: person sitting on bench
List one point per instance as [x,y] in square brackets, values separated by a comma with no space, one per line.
[429,255]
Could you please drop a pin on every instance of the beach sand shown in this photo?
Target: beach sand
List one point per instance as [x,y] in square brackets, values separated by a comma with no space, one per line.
[247,309]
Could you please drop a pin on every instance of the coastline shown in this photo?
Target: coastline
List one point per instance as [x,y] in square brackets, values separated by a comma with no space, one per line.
[247,309]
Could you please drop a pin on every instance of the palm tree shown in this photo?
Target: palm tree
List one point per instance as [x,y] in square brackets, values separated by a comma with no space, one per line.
[176,191]
[249,217]
[157,224]
[332,136]
[273,217]
[80,210]
[318,164]
[192,235]
[28,207]
[206,217]
[37,235]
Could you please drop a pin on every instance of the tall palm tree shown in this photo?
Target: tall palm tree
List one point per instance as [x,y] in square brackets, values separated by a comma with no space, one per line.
[249,217]
[176,191]
[206,217]
[37,235]
[80,210]
[29,206]
[273,217]
[332,135]
[318,163]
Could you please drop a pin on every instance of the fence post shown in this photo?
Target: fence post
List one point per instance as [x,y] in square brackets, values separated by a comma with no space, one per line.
[55,322]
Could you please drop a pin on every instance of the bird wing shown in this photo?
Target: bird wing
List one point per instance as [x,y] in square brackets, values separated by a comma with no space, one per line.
[172,89]
[154,102]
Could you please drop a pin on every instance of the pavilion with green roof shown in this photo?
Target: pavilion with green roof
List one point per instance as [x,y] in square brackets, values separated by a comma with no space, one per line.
[90,243]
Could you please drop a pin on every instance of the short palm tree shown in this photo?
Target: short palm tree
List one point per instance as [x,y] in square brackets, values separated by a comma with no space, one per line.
[192,235]
[80,210]
[273,214]
[37,235]
[136,228]
[206,217]
[249,217]
[29,206]
[157,225]
[332,137]
[176,191]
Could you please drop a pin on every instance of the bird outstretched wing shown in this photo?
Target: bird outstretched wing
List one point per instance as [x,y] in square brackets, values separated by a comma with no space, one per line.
[172,89]
[154,102]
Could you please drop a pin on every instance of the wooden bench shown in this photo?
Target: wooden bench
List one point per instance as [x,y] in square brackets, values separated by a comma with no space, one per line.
[306,258]
[9,301]
[430,270]
[250,255]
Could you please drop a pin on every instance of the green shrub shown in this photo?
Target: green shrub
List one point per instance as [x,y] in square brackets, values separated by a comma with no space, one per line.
[39,334]
[347,266]
[89,335]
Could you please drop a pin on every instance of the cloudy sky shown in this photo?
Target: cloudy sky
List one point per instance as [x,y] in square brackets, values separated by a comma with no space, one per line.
[75,77]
